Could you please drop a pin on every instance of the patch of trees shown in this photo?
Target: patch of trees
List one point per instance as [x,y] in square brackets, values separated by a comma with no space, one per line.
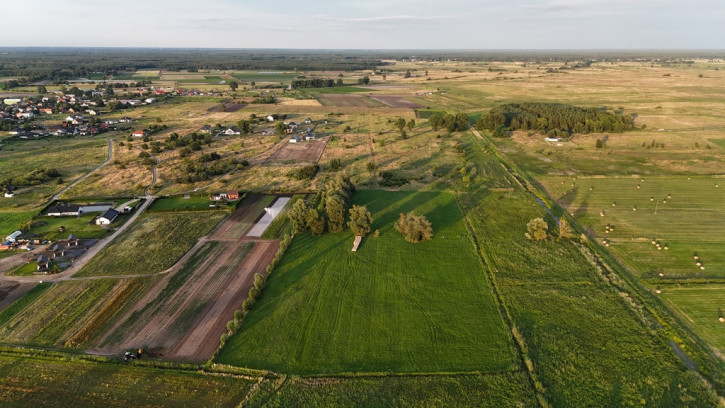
[553,119]
[360,220]
[316,83]
[415,228]
[329,206]
[304,173]
[193,141]
[390,179]
[267,99]
[200,172]
[453,123]
[33,178]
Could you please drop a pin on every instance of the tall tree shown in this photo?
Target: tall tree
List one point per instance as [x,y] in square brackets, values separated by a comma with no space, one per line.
[360,220]
[233,85]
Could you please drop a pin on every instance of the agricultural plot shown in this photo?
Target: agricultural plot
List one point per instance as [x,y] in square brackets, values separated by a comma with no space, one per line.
[242,219]
[145,248]
[683,215]
[577,328]
[56,315]
[396,101]
[179,203]
[301,152]
[271,213]
[41,381]
[391,306]
[264,76]
[700,307]
[281,225]
[347,100]
[496,390]
[11,221]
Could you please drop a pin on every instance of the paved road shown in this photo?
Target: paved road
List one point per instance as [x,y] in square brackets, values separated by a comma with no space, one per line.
[108,159]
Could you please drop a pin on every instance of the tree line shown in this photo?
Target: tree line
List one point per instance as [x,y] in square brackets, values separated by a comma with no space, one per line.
[553,119]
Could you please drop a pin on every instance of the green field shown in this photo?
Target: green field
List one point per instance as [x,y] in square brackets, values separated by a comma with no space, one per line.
[688,223]
[11,221]
[27,269]
[183,204]
[155,242]
[390,307]
[699,306]
[35,380]
[497,390]
[261,76]
[44,227]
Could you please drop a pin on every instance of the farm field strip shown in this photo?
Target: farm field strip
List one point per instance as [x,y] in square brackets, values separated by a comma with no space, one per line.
[700,307]
[395,101]
[271,213]
[201,340]
[304,151]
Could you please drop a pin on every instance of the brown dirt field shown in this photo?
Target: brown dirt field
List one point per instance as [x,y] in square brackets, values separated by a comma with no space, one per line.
[396,101]
[354,100]
[235,226]
[203,338]
[12,291]
[298,102]
[233,107]
[302,151]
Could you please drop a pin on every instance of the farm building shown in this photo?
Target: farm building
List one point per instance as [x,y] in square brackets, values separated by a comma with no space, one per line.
[294,139]
[108,217]
[138,133]
[13,237]
[215,197]
[308,121]
[149,101]
[232,195]
[95,207]
[270,118]
[72,240]
[232,131]
[65,210]
[205,129]
[42,262]
[9,194]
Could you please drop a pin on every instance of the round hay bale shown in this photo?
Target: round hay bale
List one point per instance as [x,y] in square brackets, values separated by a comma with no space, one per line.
[601,213]
[654,242]
[717,185]
[658,291]
[661,274]
[696,257]
[634,208]
[607,245]
[664,201]
[638,186]
[666,248]
[591,188]
[698,263]
[669,196]
[659,248]
[721,319]
[651,198]
[702,268]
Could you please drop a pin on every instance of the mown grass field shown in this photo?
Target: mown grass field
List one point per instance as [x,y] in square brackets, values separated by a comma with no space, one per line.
[262,76]
[35,380]
[689,222]
[390,307]
[44,227]
[700,307]
[11,221]
[155,242]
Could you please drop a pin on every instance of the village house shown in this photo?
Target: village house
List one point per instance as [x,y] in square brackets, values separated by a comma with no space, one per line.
[205,129]
[42,262]
[64,210]
[138,133]
[232,131]
[108,217]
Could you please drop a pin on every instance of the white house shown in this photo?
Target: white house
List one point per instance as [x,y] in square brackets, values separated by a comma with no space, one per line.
[13,237]
[232,131]
[270,118]
[150,100]
[108,217]
[553,139]
[9,194]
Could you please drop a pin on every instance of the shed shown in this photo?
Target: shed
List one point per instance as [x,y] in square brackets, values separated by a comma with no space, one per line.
[108,217]
[13,237]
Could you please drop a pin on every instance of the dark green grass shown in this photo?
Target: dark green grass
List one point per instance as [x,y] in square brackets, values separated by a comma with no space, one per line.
[24,270]
[578,328]
[264,77]
[390,307]
[155,242]
[11,222]
[184,204]
[341,90]
[36,381]
[427,113]
[719,142]
[20,304]
[498,390]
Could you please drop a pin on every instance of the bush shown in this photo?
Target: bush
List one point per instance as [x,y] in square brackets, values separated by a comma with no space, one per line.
[305,173]
[334,164]
[360,220]
[415,228]
[536,229]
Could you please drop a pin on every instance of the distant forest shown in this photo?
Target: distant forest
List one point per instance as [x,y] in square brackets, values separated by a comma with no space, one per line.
[553,119]
[57,64]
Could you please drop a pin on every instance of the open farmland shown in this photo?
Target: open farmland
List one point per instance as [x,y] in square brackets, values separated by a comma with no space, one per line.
[155,242]
[302,152]
[683,214]
[347,100]
[391,306]
[396,101]
[700,307]
[36,379]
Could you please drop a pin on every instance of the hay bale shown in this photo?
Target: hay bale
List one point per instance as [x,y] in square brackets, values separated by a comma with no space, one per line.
[651,198]
[661,274]
[638,186]
[721,319]
[702,268]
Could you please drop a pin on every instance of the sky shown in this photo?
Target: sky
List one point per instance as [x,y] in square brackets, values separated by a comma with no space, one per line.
[367,24]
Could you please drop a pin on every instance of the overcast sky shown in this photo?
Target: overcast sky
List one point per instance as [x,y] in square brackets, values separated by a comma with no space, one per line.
[370,24]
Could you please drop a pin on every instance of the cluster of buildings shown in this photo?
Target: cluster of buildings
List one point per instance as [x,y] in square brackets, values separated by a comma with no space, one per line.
[229,196]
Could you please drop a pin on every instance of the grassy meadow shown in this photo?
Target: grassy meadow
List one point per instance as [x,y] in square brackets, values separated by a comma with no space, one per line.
[700,307]
[391,306]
